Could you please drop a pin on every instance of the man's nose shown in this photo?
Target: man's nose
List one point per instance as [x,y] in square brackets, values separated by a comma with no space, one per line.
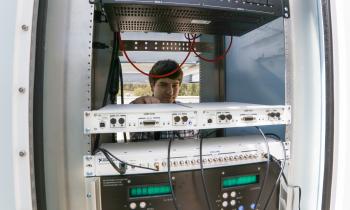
[170,90]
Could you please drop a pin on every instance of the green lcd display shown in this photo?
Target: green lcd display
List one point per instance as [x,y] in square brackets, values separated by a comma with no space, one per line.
[146,191]
[239,181]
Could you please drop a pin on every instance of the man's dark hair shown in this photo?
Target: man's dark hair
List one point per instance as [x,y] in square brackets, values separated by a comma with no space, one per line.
[164,67]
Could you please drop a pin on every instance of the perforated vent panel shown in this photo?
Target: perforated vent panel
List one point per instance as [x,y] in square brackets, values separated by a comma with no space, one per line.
[160,18]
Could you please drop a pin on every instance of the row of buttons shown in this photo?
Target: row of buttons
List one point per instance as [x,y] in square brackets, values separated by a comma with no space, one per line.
[133,205]
[232,194]
[232,203]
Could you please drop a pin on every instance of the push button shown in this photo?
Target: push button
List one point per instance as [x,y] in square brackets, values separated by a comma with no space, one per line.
[132,205]
[233,194]
[142,205]
[233,202]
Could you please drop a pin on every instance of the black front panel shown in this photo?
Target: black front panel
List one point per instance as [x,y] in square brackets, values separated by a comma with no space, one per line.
[234,17]
[229,188]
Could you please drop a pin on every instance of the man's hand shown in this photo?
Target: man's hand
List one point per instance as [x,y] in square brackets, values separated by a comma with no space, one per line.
[146,100]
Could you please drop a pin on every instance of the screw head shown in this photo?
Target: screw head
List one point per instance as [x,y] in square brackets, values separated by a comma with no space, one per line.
[22,153]
[21,89]
[25,27]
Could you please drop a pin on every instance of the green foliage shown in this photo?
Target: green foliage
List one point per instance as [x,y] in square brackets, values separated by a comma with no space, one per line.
[191,89]
[143,91]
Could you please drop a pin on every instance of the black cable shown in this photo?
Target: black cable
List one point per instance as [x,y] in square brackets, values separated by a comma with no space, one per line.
[205,188]
[114,82]
[121,83]
[108,154]
[187,36]
[129,164]
[267,167]
[108,84]
[169,175]
[111,69]
[279,175]
[202,173]
[121,90]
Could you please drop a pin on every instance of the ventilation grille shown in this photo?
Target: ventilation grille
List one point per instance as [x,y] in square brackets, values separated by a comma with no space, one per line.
[183,19]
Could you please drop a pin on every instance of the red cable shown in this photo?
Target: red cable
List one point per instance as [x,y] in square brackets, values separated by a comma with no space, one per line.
[221,57]
[154,75]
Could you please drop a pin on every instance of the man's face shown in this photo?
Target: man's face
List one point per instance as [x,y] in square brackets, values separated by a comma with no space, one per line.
[166,90]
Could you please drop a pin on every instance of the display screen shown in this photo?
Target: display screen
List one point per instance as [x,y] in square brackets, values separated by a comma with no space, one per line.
[239,181]
[146,191]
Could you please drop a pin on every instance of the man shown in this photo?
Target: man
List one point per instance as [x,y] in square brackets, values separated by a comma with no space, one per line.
[164,90]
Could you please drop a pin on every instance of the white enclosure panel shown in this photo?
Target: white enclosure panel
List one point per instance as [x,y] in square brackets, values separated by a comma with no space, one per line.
[66,93]
[7,32]
[17,65]
[305,93]
[341,55]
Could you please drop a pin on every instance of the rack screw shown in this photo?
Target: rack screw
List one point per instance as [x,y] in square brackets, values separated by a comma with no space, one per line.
[25,27]
[21,89]
[22,153]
